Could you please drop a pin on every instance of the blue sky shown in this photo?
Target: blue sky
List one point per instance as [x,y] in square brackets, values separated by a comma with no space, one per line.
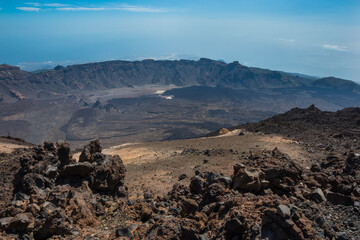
[315,37]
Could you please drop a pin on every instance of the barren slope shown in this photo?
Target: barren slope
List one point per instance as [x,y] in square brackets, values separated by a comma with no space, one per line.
[155,167]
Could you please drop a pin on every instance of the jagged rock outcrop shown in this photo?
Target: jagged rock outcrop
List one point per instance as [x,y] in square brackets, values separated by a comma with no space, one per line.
[250,180]
[325,131]
[55,195]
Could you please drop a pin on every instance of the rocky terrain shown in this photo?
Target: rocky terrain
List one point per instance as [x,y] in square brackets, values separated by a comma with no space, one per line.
[306,188]
[327,132]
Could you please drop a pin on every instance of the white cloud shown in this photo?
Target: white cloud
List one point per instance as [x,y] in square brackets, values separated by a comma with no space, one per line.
[80,9]
[66,7]
[29,9]
[35,4]
[286,40]
[126,8]
[32,66]
[335,47]
[170,57]
[54,5]
[130,8]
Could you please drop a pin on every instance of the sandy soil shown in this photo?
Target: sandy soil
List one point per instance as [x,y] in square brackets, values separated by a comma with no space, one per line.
[155,167]
[9,145]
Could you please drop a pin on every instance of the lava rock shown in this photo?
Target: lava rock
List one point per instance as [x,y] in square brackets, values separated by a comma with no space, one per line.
[318,195]
[234,227]
[252,180]
[108,176]
[63,153]
[35,183]
[196,185]
[81,169]
[49,146]
[212,177]
[283,211]
[216,189]
[189,207]
[124,232]
[226,181]
[89,150]
[339,199]
[22,222]
[356,192]
[342,236]
[5,223]
[182,176]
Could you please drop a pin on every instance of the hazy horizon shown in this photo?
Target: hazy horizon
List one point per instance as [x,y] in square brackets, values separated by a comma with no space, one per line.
[318,38]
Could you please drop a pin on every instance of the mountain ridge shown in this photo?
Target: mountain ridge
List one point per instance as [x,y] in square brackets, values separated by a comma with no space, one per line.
[117,74]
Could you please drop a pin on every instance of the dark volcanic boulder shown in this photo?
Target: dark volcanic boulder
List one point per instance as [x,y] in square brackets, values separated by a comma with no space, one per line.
[337,198]
[189,207]
[52,221]
[89,150]
[81,169]
[317,195]
[352,163]
[234,228]
[216,189]
[80,206]
[21,223]
[175,228]
[196,185]
[124,232]
[280,224]
[35,183]
[108,176]
[252,180]
[63,153]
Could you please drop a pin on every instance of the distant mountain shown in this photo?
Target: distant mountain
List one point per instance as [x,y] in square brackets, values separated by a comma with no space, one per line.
[204,72]
[313,125]
[115,74]
[40,70]
[302,75]
[309,124]
[13,82]
[338,84]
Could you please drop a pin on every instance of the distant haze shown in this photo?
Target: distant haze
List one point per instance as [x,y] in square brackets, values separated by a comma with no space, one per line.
[319,38]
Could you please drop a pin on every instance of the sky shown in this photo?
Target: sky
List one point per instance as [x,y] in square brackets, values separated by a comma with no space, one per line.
[315,37]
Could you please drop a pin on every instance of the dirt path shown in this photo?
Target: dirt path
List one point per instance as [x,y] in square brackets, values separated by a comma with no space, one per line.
[155,167]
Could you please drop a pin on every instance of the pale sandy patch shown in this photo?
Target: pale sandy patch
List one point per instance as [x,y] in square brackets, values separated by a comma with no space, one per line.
[276,139]
[9,147]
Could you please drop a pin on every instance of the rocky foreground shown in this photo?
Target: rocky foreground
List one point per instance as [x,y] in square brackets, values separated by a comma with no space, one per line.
[268,196]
